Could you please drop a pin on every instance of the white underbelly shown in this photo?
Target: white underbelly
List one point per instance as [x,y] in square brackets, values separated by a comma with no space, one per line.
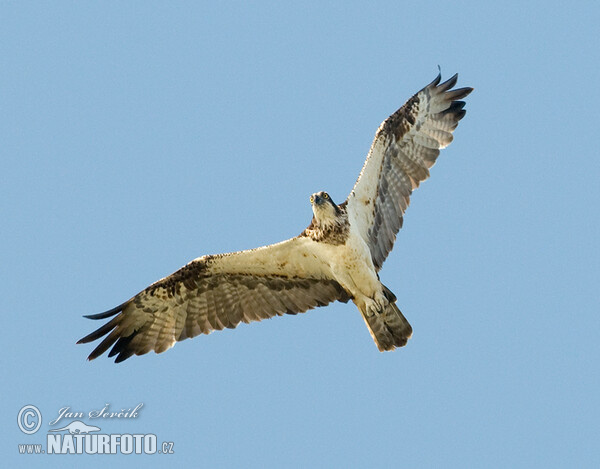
[351,265]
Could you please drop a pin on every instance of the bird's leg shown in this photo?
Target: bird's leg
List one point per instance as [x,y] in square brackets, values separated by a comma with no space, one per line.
[376,305]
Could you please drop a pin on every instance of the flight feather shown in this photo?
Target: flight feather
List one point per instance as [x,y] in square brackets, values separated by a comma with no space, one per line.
[406,145]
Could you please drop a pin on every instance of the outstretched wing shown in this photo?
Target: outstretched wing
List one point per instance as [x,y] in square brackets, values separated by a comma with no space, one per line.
[406,145]
[215,292]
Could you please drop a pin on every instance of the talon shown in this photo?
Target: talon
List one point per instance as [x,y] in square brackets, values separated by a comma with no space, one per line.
[376,305]
[381,302]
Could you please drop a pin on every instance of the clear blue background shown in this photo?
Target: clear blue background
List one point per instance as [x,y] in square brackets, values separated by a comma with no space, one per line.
[136,136]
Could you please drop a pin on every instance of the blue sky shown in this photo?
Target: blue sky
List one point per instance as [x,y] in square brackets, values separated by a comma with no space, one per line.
[137,136]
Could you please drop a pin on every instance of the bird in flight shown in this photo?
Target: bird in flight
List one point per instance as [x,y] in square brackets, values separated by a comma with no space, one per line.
[337,257]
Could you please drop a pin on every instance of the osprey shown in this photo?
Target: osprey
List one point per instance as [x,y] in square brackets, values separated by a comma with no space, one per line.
[336,258]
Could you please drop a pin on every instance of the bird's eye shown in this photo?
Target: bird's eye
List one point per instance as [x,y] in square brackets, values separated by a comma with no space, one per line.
[325,195]
[311,199]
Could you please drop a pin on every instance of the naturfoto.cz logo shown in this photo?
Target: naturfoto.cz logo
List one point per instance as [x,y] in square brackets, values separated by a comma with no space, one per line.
[78,437]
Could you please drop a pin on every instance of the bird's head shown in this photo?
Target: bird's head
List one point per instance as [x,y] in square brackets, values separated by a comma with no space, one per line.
[325,210]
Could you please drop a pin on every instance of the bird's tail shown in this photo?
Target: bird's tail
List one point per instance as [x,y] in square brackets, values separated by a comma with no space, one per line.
[389,329]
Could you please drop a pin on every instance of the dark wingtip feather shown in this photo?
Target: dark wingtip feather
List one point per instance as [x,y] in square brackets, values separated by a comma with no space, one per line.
[124,355]
[449,83]
[456,106]
[107,314]
[103,346]
[437,79]
[456,110]
[122,345]
[458,93]
[108,328]
[105,329]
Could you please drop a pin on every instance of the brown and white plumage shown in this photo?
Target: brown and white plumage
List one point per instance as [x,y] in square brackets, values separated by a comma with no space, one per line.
[216,292]
[406,145]
[336,258]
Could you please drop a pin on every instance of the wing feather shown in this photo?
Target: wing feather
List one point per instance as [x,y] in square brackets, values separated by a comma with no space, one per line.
[406,145]
[216,292]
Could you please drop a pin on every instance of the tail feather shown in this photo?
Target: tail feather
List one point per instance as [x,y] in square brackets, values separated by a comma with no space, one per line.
[390,329]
